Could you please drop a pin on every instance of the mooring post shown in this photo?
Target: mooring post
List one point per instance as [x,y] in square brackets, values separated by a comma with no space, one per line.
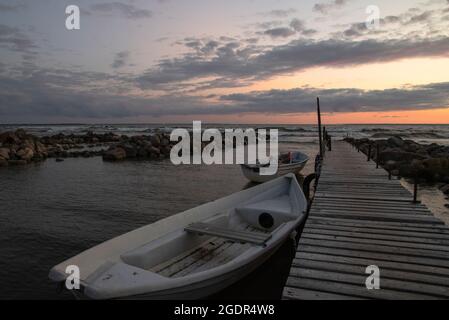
[377,155]
[369,152]
[415,190]
[319,126]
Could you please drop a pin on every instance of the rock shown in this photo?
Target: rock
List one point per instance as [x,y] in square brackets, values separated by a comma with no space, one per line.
[59,160]
[155,140]
[9,138]
[397,154]
[21,134]
[154,150]
[115,154]
[445,189]
[4,153]
[411,146]
[390,165]
[447,205]
[396,141]
[142,152]
[131,151]
[165,142]
[25,154]
[165,150]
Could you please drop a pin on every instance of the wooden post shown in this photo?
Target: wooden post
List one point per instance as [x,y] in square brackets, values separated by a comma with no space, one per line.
[415,191]
[319,126]
[377,156]
[369,152]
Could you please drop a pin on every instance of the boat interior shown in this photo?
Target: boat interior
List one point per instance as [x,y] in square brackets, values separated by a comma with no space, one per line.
[219,239]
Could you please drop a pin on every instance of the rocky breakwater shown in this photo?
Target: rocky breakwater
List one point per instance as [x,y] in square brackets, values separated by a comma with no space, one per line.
[20,148]
[72,146]
[156,146]
[406,158]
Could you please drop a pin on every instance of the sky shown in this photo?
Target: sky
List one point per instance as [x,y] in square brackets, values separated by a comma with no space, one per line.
[245,61]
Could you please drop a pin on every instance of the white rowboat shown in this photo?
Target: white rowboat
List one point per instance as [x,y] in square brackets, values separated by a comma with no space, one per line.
[195,253]
[297,163]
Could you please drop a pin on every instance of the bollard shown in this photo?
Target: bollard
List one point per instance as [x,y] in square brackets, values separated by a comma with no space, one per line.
[377,156]
[415,191]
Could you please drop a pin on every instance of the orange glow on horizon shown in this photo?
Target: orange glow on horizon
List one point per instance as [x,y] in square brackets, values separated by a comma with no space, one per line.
[433,116]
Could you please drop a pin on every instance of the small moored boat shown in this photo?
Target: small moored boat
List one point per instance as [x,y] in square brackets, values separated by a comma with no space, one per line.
[291,162]
[195,253]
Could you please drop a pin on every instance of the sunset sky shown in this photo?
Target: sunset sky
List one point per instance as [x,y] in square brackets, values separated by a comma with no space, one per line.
[247,61]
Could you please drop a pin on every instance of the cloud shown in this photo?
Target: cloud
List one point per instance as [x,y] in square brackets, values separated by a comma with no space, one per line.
[413,21]
[280,32]
[234,61]
[295,26]
[298,100]
[16,40]
[281,13]
[128,11]
[120,59]
[325,7]
[11,7]
[55,94]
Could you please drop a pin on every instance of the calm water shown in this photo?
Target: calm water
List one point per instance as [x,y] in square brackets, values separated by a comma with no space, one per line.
[52,211]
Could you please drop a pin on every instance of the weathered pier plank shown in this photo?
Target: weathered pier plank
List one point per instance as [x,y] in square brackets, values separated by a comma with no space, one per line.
[361,218]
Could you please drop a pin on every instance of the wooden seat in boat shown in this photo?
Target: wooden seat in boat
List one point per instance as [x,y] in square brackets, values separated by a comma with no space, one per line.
[230,234]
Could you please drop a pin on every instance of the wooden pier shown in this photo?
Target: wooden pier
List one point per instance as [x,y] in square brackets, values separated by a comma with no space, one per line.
[361,218]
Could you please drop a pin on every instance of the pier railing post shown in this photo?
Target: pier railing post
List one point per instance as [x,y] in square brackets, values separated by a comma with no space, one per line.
[377,155]
[369,152]
[319,126]
[415,190]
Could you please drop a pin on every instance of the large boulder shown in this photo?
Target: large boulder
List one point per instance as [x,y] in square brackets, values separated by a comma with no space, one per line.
[4,153]
[397,154]
[115,154]
[396,141]
[165,142]
[131,150]
[445,189]
[153,152]
[8,138]
[25,153]
[155,140]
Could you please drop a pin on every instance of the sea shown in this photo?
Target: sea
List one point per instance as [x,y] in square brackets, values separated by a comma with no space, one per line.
[51,211]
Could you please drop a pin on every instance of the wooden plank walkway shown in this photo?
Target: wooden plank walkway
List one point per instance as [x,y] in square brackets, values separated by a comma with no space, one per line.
[360,218]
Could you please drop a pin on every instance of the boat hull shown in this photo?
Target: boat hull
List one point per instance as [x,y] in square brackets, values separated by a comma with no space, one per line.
[164,261]
[208,287]
[255,176]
